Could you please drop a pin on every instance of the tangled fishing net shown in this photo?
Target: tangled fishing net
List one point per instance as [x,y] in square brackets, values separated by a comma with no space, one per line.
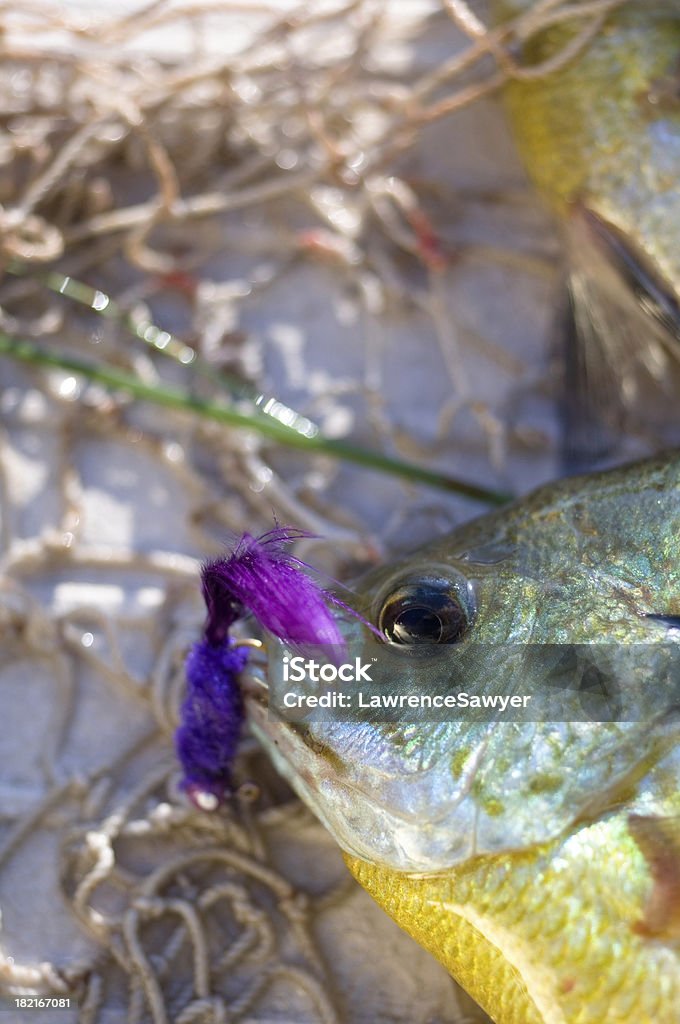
[314,204]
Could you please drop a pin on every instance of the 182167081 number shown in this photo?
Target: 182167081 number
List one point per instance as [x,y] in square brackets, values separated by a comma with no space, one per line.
[42,1002]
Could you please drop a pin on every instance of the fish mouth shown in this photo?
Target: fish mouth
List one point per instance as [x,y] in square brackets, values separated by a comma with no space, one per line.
[253,678]
[285,742]
[254,685]
[289,748]
[365,823]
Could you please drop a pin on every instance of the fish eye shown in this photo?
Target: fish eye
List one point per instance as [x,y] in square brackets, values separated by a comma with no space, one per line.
[424,612]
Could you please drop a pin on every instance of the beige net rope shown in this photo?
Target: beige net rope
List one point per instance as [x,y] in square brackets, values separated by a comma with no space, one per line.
[275,184]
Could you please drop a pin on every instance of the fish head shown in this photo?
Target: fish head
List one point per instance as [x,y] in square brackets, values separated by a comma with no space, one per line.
[480,611]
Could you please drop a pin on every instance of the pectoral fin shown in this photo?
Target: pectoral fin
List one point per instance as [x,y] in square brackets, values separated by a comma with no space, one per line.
[622,345]
[659,842]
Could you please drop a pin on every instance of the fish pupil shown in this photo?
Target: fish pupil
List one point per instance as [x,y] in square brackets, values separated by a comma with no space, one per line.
[423,614]
[417,625]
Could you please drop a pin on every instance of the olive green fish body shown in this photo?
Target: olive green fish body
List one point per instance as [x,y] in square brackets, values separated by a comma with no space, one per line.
[538,860]
[604,130]
[600,136]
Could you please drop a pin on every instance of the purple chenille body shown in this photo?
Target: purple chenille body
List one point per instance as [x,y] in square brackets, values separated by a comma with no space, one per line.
[211,717]
[259,577]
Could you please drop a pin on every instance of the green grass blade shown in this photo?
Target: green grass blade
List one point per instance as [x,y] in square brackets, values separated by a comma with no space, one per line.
[37,355]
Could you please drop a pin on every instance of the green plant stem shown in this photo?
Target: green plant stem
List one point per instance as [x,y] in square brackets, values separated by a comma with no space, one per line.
[153,337]
[29,352]
[165,344]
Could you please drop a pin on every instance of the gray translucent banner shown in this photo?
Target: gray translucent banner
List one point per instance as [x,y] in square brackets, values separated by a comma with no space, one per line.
[477,683]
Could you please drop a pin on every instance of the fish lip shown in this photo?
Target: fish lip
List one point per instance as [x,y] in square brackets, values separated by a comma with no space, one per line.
[252,679]
[254,687]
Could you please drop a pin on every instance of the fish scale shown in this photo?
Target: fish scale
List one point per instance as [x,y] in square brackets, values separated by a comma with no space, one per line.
[600,137]
[493,923]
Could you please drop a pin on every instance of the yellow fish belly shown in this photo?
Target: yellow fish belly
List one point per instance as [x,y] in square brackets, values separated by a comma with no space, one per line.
[560,934]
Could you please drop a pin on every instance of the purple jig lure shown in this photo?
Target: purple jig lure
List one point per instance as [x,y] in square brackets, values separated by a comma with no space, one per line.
[262,577]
